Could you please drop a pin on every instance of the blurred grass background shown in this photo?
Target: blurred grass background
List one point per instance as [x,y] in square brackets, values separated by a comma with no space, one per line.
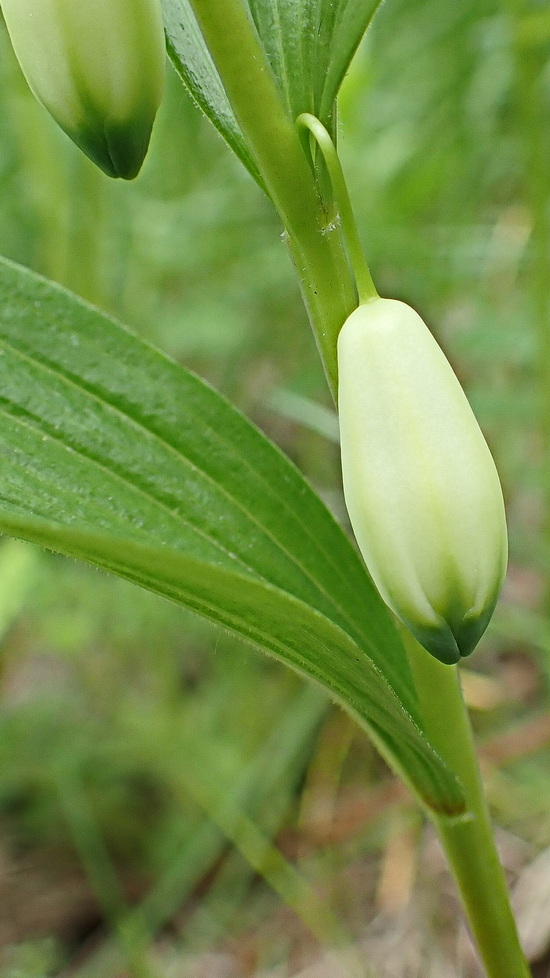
[171,802]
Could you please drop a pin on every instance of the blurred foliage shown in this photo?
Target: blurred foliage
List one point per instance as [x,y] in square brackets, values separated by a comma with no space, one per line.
[152,759]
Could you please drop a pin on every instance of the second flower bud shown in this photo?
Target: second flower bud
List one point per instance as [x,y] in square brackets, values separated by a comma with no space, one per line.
[98,67]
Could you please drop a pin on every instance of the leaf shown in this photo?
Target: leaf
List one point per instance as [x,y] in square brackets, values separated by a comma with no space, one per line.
[193,63]
[114,454]
[352,20]
[309,45]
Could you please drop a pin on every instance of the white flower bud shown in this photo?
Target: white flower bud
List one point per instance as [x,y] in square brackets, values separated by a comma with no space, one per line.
[420,484]
[98,67]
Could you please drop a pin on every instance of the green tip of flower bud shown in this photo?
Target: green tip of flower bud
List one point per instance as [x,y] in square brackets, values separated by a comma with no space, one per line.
[451,644]
[420,484]
[99,70]
[118,150]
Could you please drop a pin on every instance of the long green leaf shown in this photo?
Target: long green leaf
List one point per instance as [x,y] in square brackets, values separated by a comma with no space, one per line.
[115,454]
[351,21]
[309,45]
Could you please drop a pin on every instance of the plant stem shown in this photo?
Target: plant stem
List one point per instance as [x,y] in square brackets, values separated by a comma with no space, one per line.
[468,842]
[314,236]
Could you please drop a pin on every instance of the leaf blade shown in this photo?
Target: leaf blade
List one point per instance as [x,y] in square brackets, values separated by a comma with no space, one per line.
[309,45]
[351,23]
[179,450]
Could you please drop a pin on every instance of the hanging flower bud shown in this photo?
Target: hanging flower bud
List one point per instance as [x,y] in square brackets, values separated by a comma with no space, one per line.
[98,67]
[420,484]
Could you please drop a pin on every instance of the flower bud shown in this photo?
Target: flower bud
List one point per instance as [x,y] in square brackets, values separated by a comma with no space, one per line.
[420,484]
[98,67]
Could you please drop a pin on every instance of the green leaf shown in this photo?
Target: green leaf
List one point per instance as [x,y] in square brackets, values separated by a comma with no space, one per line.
[114,454]
[309,45]
[351,21]
[193,63]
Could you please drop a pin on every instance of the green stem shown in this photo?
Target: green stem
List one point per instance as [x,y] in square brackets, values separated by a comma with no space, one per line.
[315,239]
[468,843]
[363,279]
